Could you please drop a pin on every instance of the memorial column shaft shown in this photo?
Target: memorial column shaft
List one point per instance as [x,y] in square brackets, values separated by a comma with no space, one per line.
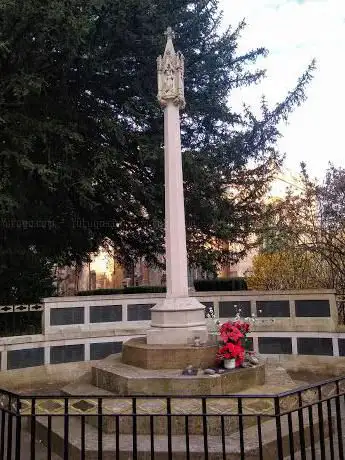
[175,228]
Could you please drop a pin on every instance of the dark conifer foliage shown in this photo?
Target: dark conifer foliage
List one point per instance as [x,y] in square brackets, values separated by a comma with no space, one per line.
[81,138]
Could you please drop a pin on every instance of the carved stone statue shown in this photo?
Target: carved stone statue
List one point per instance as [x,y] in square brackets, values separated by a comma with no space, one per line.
[169,80]
[170,68]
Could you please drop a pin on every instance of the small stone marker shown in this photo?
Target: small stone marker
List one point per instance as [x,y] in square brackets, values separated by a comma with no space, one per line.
[209,371]
[252,359]
[197,342]
[190,370]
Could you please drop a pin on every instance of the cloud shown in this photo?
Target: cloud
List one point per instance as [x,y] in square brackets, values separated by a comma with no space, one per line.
[295,32]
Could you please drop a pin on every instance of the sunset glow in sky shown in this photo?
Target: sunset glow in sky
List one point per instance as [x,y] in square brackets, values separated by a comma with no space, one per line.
[295,31]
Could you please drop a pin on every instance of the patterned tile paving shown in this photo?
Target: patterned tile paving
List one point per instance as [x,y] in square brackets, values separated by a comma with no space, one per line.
[154,406]
[144,406]
[84,407]
[4,401]
[117,406]
[51,406]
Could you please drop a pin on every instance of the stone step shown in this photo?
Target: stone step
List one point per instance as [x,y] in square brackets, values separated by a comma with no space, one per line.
[148,407]
[232,441]
[88,390]
[276,374]
[83,388]
[115,376]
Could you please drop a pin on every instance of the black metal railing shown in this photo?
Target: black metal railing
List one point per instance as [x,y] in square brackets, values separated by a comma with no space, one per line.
[305,423]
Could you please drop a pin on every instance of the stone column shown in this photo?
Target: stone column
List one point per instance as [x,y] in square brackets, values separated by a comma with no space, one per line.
[175,227]
[179,318]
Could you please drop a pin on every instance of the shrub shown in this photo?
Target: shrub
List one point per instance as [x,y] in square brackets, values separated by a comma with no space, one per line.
[23,323]
[221,284]
[125,290]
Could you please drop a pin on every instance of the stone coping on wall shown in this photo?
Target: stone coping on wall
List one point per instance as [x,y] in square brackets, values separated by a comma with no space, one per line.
[141,331]
[48,378]
[74,334]
[294,310]
[33,351]
[332,365]
[291,325]
[249,293]
[83,298]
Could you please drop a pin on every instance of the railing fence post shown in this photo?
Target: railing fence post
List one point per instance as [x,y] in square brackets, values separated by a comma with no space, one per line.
[18,430]
[278,428]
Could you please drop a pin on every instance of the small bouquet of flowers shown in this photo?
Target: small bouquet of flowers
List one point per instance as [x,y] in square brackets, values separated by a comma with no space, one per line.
[231,351]
[233,336]
[244,328]
[232,347]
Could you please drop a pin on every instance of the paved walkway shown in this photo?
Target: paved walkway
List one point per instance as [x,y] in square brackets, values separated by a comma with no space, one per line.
[25,450]
[41,450]
[327,450]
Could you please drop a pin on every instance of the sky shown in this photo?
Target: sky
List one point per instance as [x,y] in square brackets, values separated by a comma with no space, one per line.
[295,32]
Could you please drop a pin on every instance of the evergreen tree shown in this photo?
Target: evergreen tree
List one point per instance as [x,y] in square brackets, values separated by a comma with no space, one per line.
[81,156]
[26,277]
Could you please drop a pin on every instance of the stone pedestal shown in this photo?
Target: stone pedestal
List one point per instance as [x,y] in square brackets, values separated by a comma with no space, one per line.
[177,320]
[136,352]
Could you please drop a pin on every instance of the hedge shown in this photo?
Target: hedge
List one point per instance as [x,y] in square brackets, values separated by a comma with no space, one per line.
[218,284]
[23,323]
[125,290]
[221,284]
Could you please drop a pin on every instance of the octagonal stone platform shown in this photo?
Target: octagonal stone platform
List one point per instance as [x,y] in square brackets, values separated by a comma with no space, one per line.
[114,375]
[136,352]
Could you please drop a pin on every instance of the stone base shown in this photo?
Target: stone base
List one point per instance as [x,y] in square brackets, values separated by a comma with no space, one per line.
[177,321]
[55,434]
[137,352]
[180,336]
[113,375]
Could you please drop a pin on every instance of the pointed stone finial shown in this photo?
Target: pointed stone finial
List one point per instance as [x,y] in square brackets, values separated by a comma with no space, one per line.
[170,68]
[170,34]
